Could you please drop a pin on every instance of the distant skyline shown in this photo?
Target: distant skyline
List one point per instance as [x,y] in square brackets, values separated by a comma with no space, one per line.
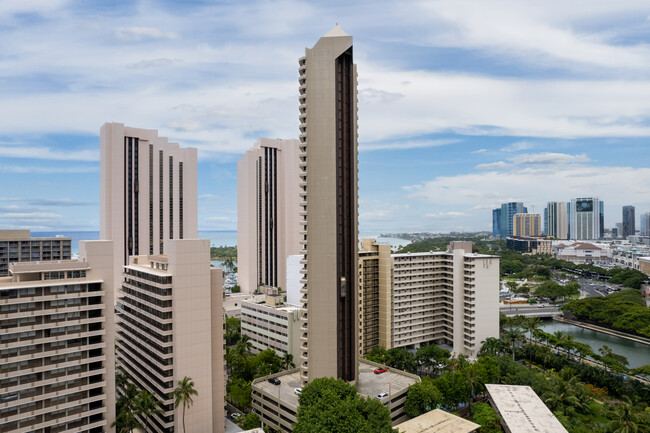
[463,105]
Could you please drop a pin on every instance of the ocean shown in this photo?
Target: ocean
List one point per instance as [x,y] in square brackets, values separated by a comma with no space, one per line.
[217,238]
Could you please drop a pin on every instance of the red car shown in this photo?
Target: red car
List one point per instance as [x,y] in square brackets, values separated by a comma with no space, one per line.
[381,370]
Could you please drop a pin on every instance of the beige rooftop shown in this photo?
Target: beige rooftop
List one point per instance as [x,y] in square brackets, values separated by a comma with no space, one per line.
[522,411]
[437,421]
[336,32]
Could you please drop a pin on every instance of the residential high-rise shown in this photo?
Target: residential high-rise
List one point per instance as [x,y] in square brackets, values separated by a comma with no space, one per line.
[645,224]
[557,220]
[267,213]
[57,362]
[18,246]
[508,212]
[329,209]
[447,297]
[496,222]
[629,227]
[170,325]
[147,192]
[526,224]
[586,218]
[375,283]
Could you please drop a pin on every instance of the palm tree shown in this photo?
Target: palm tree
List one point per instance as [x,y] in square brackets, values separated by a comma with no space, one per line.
[511,337]
[624,419]
[473,379]
[491,346]
[126,422]
[531,325]
[287,361]
[454,364]
[147,406]
[183,394]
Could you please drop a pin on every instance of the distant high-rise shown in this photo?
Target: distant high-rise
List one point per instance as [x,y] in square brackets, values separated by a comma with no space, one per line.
[557,220]
[329,209]
[147,192]
[508,211]
[18,246]
[526,224]
[496,222]
[267,212]
[587,218]
[629,228]
[645,223]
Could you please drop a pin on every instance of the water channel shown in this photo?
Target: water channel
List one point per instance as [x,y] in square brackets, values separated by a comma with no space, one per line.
[637,354]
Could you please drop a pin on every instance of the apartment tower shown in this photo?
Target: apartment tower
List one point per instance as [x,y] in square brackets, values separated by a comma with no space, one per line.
[18,246]
[508,212]
[526,224]
[57,362]
[267,213]
[375,282]
[329,213]
[629,227]
[645,224]
[170,325]
[557,220]
[147,192]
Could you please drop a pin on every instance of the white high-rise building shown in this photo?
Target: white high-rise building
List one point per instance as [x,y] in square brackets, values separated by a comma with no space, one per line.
[645,224]
[587,218]
[147,192]
[267,213]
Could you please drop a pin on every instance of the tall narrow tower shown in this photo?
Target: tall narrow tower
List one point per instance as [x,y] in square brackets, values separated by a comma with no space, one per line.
[328,209]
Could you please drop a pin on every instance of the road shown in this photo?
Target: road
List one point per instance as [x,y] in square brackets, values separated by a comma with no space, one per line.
[531,310]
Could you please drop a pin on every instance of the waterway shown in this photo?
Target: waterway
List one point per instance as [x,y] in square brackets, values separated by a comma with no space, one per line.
[637,354]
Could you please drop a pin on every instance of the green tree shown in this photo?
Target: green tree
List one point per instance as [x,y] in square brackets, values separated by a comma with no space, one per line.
[422,397]
[624,419]
[511,337]
[182,394]
[126,422]
[147,406]
[491,347]
[250,421]
[228,263]
[287,362]
[233,330]
[486,417]
[331,405]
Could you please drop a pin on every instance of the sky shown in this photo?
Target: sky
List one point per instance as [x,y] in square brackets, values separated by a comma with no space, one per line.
[463,105]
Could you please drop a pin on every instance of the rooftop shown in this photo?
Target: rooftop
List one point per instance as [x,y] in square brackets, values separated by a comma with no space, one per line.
[44,266]
[437,421]
[522,410]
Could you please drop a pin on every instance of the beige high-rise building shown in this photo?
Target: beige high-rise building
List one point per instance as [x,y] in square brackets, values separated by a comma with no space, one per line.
[447,298]
[329,209]
[526,224]
[375,281]
[18,246]
[57,361]
[267,213]
[170,325]
[148,192]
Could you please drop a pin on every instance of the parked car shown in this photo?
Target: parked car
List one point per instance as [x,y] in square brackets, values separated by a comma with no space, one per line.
[382,395]
[541,306]
[275,381]
[297,391]
[381,370]
[235,415]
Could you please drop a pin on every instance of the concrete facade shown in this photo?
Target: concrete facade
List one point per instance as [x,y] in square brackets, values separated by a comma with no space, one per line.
[272,326]
[329,208]
[527,245]
[557,220]
[147,192]
[57,368]
[447,298]
[586,218]
[170,325]
[18,246]
[375,283]
[267,213]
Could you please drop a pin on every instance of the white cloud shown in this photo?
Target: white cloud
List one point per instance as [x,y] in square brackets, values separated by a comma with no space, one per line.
[479,151]
[42,152]
[549,158]
[407,144]
[446,215]
[493,165]
[47,170]
[519,145]
[140,33]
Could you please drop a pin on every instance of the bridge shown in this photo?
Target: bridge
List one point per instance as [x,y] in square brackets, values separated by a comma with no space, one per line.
[530,310]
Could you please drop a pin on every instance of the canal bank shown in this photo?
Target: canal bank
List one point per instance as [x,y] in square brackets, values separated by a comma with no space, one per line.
[605,330]
[638,354]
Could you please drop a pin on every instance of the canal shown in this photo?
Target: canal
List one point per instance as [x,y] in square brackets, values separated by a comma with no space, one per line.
[637,354]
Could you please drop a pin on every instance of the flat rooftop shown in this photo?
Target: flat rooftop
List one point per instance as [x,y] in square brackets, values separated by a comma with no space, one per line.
[44,266]
[369,383]
[437,421]
[522,410]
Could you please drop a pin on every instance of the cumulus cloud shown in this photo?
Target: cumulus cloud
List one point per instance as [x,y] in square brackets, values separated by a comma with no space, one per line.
[140,33]
[548,158]
[517,146]
[493,165]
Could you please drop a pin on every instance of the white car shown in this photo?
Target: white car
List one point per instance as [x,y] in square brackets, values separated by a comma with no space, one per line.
[235,415]
[382,395]
[297,391]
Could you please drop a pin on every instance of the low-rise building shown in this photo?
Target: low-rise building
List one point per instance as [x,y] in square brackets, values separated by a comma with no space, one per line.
[449,297]
[438,421]
[529,245]
[582,252]
[277,405]
[57,365]
[270,323]
[18,246]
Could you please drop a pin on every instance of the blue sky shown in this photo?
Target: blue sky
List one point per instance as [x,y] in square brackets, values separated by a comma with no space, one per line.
[462,104]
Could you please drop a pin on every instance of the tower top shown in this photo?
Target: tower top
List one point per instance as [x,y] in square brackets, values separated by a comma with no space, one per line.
[336,32]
